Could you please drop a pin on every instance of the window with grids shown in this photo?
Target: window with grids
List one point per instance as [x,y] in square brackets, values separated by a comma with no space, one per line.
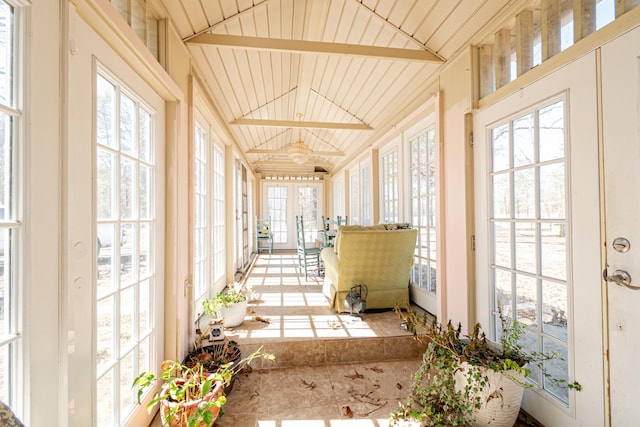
[529,237]
[10,226]
[354,196]
[219,270]
[277,202]
[365,197]
[208,239]
[390,202]
[201,214]
[126,222]
[338,198]
[422,170]
[308,198]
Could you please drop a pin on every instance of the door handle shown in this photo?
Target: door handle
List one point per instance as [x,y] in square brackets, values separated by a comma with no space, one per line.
[620,278]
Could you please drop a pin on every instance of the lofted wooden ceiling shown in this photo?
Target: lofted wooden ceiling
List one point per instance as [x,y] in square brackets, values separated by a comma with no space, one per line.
[352,68]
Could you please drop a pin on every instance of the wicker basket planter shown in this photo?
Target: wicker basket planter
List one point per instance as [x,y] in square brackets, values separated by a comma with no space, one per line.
[500,398]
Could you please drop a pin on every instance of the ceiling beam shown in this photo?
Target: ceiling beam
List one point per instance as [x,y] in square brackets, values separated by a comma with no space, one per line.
[301,124]
[285,153]
[305,46]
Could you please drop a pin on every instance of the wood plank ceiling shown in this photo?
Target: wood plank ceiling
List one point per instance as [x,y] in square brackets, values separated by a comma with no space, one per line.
[352,68]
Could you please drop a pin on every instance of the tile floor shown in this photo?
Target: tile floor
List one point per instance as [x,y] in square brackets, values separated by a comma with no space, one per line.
[331,370]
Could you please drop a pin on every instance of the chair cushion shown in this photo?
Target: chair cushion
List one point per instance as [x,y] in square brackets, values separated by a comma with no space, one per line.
[8,418]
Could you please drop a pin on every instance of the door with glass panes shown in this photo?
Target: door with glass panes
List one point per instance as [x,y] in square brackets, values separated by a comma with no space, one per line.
[282,202]
[115,201]
[537,241]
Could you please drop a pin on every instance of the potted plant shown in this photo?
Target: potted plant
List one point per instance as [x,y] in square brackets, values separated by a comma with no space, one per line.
[212,357]
[230,305]
[468,380]
[189,396]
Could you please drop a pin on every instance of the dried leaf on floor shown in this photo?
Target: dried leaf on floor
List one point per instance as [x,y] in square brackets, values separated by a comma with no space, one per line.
[366,414]
[310,385]
[347,412]
[376,369]
[356,375]
[332,324]
[399,386]
[262,319]
[254,393]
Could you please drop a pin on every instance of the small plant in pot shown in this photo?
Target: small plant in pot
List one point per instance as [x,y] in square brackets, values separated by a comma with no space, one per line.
[189,396]
[230,305]
[467,380]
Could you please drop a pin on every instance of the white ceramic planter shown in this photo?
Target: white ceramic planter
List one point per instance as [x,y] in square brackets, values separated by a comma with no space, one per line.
[234,316]
[501,397]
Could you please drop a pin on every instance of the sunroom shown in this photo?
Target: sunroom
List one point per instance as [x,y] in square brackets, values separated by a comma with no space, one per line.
[141,139]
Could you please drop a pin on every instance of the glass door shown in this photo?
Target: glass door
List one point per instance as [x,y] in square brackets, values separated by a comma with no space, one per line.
[128,197]
[538,234]
[283,201]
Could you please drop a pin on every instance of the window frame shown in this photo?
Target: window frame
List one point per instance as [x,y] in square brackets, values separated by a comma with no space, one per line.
[13,223]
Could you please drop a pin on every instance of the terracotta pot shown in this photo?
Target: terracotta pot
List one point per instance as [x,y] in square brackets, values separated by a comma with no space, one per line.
[501,397]
[234,315]
[188,408]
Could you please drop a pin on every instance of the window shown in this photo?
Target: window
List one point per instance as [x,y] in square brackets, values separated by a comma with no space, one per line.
[308,209]
[354,197]
[365,196]
[126,223]
[209,235]
[142,21]
[390,202]
[201,227]
[605,12]
[422,149]
[277,211]
[338,198]
[11,337]
[219,237]
[528,188]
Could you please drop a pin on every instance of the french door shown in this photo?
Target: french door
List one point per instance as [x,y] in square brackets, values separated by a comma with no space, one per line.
[621,131]
[115,219]
[538,238]
[282,202]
